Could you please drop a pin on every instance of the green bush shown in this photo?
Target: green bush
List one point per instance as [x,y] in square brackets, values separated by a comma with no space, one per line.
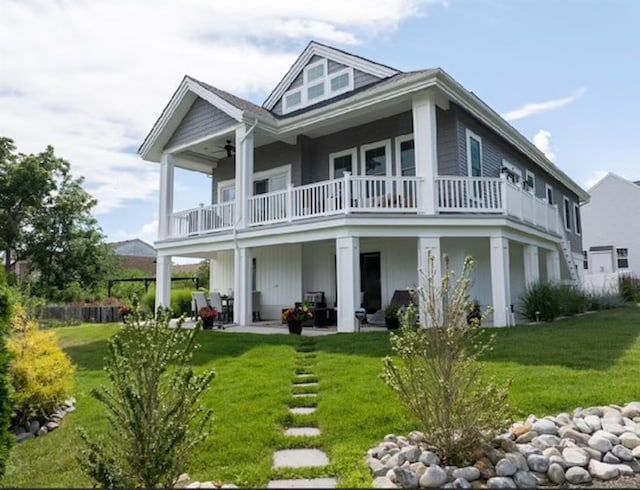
[181,302]
[604,300]
[148,301]
[572,300]
[438,376]
[6,438]
[153,406]
[629,288]
[540,302]
[41,374]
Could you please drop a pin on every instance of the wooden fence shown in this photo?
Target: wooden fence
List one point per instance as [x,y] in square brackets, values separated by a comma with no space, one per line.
[83,314]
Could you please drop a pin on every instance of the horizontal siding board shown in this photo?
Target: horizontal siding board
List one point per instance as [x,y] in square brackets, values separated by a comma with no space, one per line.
[201,120]
[446,142]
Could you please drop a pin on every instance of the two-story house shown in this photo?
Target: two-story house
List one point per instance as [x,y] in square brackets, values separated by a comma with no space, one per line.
[343,180]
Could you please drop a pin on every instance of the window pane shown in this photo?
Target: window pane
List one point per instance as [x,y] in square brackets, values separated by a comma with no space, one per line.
[228,194]
[531,182]
[476,158]
[341,165]
[576,211]
[278,183]
[293,99]
[623,258]
[339,82]
[549,195]
[585,259]
[375,161]
[315,91]
[261,187]
[315,72]
[567,215]
[407,158]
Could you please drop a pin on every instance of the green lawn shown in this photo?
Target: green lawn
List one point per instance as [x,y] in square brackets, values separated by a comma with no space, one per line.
[589,360]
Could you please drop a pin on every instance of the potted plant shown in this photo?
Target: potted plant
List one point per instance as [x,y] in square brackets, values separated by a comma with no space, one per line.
[475,315]
[208,315]
[124,311]
[391,318]
[295,316]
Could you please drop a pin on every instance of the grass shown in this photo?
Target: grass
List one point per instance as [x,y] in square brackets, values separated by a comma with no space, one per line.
[588,360]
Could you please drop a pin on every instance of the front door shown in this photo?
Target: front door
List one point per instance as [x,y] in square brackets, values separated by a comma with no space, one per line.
[370,281]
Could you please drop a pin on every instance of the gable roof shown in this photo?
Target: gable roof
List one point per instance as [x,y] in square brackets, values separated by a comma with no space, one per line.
[133,248]
[315,48]
[612,176]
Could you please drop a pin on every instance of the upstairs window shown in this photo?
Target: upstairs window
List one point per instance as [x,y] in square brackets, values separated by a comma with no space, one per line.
[623,258]
[318,85]
[530,182]
[549,194]
[585,260]
[474,154]
[567,214]
[512,173]
[405,156]
[576,218]
[342,162]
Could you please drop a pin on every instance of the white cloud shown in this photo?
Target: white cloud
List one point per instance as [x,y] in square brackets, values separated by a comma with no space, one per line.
[147,232]
[534,108]
[594,178]
[90,78]
[542,141]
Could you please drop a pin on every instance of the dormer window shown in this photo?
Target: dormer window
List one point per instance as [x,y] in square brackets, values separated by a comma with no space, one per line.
[318,85]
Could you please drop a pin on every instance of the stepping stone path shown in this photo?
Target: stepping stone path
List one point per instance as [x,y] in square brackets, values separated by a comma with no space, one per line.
[310,457]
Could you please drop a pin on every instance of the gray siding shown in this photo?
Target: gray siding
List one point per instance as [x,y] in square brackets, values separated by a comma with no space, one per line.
[201,120]
[446,142]
[362,79]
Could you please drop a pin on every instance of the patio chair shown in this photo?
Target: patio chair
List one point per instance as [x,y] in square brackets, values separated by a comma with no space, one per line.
[216,302]
[198,300]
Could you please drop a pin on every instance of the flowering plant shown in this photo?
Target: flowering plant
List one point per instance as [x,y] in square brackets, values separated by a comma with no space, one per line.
[125,310]
[208,312]
[298,313]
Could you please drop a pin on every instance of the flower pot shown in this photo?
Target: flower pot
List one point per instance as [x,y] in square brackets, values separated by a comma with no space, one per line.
[295,327]
[207,323]
[392,322]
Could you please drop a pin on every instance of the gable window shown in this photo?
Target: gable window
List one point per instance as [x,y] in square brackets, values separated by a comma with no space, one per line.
[318,84]
[623,258]
[576,219]
[549,192]
[405,156]
[585,260]
[474,154]
[567,214]
[530,182]
[342,162]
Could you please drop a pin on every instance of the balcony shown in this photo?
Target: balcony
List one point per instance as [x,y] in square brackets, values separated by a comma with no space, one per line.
[380,195]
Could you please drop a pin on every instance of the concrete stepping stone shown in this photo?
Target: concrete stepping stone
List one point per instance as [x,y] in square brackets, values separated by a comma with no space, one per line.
[302,382]
[300,458]
[302,410]
[304,395]
[303,483]
[305,375]
[302,432]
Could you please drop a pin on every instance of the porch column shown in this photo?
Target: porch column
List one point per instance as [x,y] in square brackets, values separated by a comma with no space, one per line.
[166,196]
[163,281]
[427,246]
[531,265]
[425,150]
[500,280]
[244,174]
[242,286]
[348,282]
[553,265]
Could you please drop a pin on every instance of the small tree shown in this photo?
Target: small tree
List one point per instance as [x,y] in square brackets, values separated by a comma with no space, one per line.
[6,438]
[439,376]
[153,406]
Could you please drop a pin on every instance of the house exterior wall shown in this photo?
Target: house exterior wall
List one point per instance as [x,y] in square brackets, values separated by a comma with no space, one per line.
[611,218]
[201,120]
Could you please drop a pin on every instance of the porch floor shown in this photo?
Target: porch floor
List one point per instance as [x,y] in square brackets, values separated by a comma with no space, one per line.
[271,327]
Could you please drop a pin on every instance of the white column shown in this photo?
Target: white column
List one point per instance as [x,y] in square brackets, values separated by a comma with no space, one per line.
[531,265]
[242,286]
[244,174]
[348,282]
[425,148]
[428,246]
[500,280]
[163,281]
[553,265]
[166,196]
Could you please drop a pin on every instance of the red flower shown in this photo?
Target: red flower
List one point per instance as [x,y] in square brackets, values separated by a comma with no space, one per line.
[208,312]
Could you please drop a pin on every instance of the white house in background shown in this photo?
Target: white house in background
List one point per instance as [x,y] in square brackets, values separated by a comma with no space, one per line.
[343,180]
[611,239]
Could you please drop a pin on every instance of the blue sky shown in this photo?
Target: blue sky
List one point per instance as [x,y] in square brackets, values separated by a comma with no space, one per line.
[91,78]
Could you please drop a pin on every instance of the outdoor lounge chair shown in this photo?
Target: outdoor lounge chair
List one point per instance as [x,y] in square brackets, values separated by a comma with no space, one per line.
[198,300]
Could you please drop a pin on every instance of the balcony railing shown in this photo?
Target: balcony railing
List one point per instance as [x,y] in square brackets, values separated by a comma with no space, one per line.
[372,194]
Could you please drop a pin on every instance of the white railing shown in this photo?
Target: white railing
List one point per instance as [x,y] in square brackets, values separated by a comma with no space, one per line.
[318,199]
[469,194]
[201,220]
[268,208]
[524,205]
[384,194]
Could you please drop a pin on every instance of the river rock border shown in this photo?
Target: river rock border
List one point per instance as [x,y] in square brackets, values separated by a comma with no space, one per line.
[39,428]
[596,443]
[184,481]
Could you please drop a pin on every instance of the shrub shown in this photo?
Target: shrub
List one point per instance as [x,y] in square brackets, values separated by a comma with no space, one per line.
[439,376]
[153,406]
[6,438]
[572,299]
[544,301]
[41,374]
[148,301]
[604,300]
[629,288]
[181,302]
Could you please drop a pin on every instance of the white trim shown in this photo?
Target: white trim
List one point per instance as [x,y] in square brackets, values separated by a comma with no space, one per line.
[398,154]
[263,174]
[548,188]
[330,76]
[354,161]
[370,146]
[470,134]
[565,202]
[577,219]
[341,57]
[528,173]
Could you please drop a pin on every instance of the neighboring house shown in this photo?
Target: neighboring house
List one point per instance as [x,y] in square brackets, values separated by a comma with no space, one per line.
[136,254]
[343,180]
[611,239]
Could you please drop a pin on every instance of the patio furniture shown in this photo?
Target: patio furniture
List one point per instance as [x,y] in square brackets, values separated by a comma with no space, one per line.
[198,300]
[255,301]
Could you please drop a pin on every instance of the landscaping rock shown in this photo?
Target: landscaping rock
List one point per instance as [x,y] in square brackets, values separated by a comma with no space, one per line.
[43,431]
[377,467]
[383,482]
[545,441]
[508,446]
[517,459]
[500,482]
[468,473]
[613,426]
[600,444]
[406,478]
[207,484]
[411,453]
[597,455]
[582,426]
[526,437]
[603,471]
[485,467]
[428,458]
[519,429]
[575,456]
[25,436]
[461,483]
[629,440]
[610,458]
[556,474]
[524,479]
[593,421]
[504,467]
[34,427]
[182,481]
[538,463]
[434,477]
[569,433]
[608,436]
[624,470]
[545,427]
[622,452]
[577,475]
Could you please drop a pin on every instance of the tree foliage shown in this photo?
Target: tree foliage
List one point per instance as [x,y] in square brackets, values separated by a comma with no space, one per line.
[439,375]
[153,406]
[6,408]
[45,219]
